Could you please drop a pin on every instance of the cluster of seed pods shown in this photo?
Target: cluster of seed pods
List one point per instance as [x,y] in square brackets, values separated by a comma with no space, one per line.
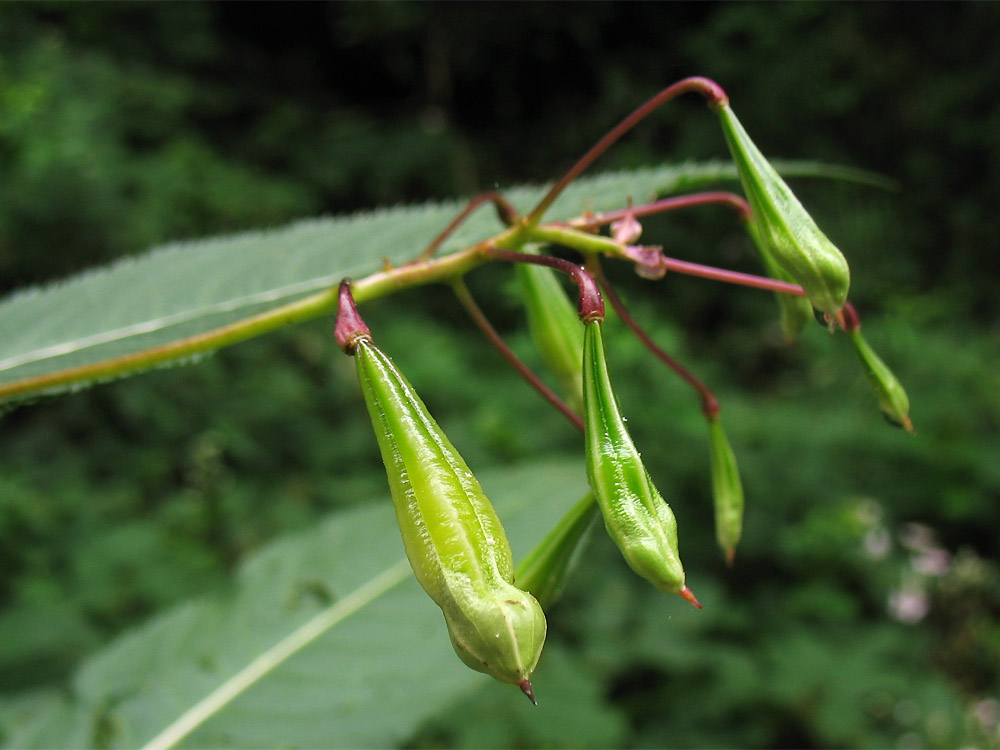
[451,534]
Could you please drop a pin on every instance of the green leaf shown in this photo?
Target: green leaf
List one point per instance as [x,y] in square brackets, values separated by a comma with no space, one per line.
[184,289]
[323,640]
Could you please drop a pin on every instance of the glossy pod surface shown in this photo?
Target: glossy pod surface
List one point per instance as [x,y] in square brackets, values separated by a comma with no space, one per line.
[786,228]
[452,536]
[636,517]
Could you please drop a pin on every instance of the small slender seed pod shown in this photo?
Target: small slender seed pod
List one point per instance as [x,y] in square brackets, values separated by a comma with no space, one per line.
[727,489]
[545,569]
[891,395]
[453,538]
[796,311]
[555,327]
[635,515]
[785,227]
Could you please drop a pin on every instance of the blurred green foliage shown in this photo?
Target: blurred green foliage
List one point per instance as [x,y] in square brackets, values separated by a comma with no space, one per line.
[863,608]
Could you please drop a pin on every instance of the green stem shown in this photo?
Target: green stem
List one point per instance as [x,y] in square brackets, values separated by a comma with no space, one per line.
[383,283]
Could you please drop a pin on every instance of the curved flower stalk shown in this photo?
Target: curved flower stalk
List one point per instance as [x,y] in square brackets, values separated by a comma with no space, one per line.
[555,328]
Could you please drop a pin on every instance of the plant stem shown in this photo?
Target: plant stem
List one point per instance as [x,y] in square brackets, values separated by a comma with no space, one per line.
[709,403]
[738,203]
[590,306]
[732,277]
[479,318]
[505,212]
[379,284]
[709,89]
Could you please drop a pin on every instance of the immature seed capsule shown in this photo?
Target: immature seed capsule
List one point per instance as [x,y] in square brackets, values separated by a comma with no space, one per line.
[727,489]
[796,311]
[785,227]
[545,569]
[453,538]
[555,327]
[891,395]
[636,517]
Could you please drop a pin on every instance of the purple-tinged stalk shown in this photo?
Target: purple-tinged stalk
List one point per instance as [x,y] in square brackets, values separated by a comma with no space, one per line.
[505,213]
[555,328]
[590,305]
[473,310]
[708,89]
[736,202]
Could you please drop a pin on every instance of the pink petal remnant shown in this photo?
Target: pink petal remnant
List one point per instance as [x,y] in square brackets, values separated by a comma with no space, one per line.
[349,326]
[526,688]
[686,594]
[649,260]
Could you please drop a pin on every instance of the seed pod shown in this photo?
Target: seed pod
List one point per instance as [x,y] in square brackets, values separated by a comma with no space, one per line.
[727,490]
[452,536]
[555,328]
[636,517]
[544,570]
[891,395]
[785,227]
[796,311]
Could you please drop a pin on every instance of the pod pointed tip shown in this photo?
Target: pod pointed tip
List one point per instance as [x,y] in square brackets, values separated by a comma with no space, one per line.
[526,688]
[730,556]
[908,425]
[686,593]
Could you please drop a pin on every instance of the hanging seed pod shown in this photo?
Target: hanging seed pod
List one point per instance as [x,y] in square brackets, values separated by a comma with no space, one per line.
[453,538]
[545,569]
[727,490]
[636,517]
[785,227]
[555,328]
[796,311]
[891,395]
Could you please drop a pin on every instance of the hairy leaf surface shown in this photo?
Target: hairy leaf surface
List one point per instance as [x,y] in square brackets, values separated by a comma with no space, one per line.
[380,664]
[183,289]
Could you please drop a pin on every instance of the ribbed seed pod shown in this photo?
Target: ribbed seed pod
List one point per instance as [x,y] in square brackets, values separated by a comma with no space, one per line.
[636,517]
[796,311]
[555,328]
[785,227]
[452,536]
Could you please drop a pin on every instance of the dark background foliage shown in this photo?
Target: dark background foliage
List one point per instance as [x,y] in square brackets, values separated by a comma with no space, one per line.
[863,608]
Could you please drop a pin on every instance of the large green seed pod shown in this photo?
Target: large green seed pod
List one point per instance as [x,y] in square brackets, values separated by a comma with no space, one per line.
[785,227]
[452,536]
[555,328]
[636,517]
